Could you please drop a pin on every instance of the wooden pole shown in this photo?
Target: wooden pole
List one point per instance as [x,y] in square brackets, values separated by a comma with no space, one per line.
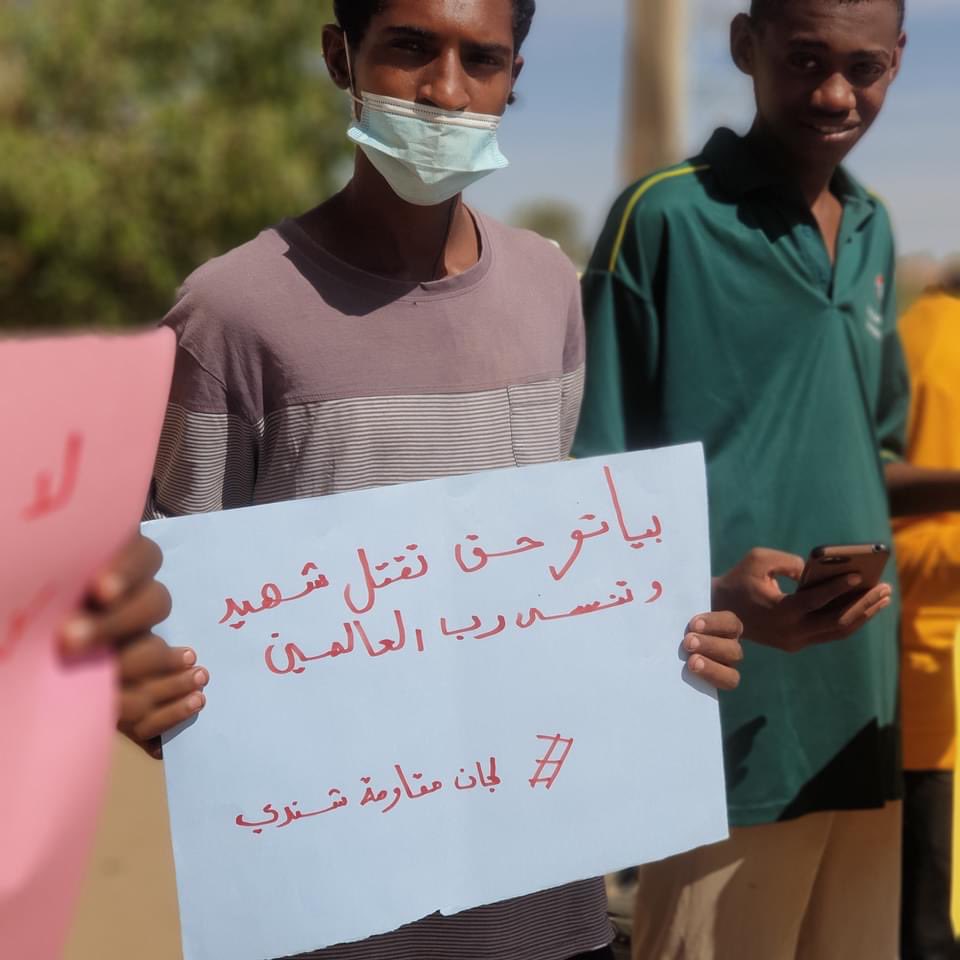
[655,87]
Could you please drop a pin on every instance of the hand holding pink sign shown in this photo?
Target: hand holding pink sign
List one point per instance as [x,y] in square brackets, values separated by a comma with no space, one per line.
[81,417]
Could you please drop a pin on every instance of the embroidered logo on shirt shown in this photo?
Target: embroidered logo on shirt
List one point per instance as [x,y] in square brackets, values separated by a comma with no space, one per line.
[874,323]
[881,285]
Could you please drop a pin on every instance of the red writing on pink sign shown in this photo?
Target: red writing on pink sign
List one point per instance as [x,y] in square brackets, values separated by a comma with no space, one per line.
[21,618]
[51,495]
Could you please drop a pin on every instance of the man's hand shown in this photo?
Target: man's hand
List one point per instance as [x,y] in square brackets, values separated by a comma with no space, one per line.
[792,622]
[160,686]
[713,643]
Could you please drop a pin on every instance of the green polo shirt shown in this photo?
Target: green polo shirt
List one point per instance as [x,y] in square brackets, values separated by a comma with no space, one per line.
[714,314]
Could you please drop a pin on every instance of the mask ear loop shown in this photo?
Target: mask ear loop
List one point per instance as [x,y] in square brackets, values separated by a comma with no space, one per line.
[353,93]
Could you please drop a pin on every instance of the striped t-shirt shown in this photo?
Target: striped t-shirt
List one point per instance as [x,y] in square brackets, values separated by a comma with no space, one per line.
[298,375]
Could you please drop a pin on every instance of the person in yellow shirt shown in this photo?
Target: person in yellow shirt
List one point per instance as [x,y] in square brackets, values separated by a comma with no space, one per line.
[928,551]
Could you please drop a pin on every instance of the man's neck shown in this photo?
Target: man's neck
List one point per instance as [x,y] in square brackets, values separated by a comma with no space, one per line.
[368,226]
[812,180]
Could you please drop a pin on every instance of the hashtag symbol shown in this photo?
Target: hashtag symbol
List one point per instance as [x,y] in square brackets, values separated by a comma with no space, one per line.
[551,763]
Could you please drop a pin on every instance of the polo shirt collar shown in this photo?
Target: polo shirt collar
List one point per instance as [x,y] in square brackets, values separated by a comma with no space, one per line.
[857,201]
[738,167]
[741,170]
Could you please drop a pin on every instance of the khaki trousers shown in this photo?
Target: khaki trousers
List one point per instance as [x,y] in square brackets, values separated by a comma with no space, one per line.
[823,887]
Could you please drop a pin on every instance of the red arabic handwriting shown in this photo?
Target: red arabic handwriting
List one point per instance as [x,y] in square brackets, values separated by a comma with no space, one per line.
[360,597]
[579,536]
[550,765]
[409,786]
[487,779]
[637,541]
[294,658]
[294,654]
[388,645]
[20,619]
[370,583]
[461,632]
[47,499]
[271,597]
[524,545]
[535,614]
[291,813]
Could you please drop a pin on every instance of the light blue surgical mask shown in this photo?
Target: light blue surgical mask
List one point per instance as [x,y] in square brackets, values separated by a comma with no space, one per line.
[426,154]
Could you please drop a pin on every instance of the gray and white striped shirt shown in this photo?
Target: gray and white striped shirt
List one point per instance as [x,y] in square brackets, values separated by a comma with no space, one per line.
[298,375]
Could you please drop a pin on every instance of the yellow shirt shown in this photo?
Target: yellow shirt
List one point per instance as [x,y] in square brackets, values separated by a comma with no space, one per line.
[928,547]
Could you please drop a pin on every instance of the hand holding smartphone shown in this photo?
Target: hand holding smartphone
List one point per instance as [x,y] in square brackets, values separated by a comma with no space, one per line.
[825,607]
[866,560]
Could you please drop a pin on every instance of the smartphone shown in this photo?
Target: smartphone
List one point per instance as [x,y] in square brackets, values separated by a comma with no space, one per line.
[866,559]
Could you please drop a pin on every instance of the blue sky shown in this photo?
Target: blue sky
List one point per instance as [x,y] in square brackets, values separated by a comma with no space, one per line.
[563,137]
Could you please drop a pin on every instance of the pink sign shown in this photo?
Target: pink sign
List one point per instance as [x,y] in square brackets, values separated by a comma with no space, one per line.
[80,420]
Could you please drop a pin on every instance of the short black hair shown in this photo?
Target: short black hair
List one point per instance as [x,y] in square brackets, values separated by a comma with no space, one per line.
[354,17]
[768,9]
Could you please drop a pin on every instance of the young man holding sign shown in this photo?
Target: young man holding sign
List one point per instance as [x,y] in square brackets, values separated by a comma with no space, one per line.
[783,358]
[391,335]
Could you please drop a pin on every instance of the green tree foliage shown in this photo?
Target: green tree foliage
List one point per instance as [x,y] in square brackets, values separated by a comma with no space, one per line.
[139,138]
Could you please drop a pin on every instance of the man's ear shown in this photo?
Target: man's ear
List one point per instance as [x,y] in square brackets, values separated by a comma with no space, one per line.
[518,63]
[335,55]
[742,40]
[898,57]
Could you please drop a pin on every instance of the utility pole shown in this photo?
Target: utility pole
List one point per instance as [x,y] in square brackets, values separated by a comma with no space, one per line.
[655,85]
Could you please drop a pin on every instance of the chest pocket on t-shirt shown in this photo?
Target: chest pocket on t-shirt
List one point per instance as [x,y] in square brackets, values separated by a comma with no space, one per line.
[536,421]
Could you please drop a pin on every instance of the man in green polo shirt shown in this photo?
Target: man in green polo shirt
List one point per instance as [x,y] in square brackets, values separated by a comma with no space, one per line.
[745,299]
